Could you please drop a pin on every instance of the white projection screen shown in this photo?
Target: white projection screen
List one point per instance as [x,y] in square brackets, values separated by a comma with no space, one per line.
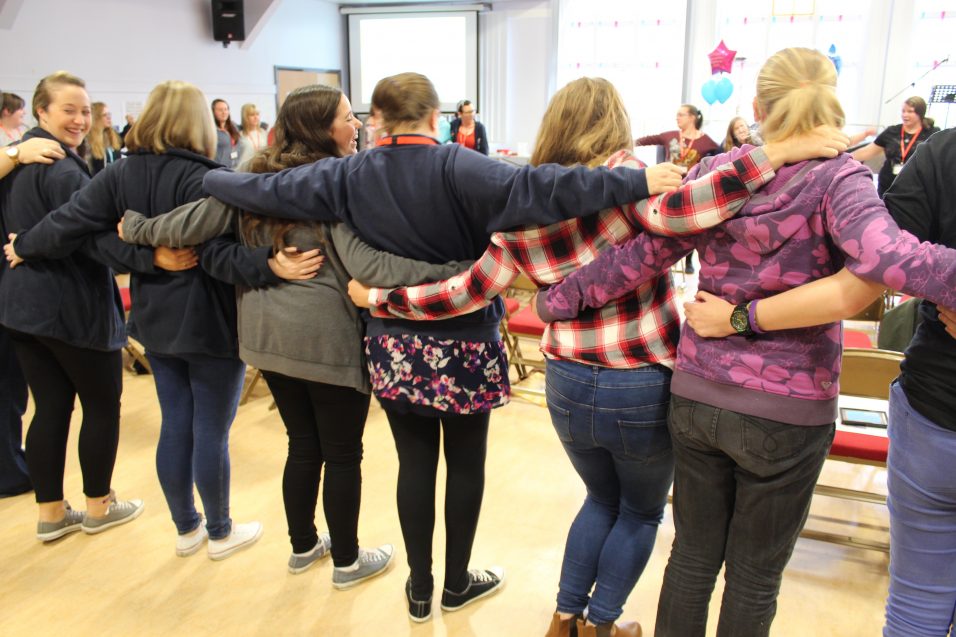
[443,46]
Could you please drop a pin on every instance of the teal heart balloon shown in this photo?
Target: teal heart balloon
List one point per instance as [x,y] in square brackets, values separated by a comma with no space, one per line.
[709,91]
[723,90]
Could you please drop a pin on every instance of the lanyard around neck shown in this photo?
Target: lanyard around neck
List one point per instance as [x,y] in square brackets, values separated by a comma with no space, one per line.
[906,151]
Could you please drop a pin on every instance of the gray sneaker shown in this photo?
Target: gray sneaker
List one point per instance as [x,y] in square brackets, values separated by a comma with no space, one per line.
[119,512]
[71,522]
[370,562]
[299,562]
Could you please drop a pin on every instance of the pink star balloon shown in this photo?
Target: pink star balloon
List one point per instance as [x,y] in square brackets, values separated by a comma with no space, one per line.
[721,58]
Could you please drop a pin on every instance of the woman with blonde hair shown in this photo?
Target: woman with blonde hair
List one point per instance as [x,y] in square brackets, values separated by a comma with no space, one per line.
[104,142]
[607,396]
[65,320]
[252,138]
[752,416]
[186,321]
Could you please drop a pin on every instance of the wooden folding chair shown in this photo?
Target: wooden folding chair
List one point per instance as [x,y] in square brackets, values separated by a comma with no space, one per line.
[521,324]
[133,348]
[866,373]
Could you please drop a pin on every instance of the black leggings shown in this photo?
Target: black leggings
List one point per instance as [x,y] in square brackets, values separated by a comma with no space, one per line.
[417,440]
[56,373]
[325,424]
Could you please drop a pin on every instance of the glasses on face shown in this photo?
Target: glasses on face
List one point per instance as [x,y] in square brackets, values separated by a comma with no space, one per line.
[683,114]
[471,112]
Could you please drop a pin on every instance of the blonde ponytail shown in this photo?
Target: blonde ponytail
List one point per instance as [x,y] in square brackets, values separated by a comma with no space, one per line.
[796,92]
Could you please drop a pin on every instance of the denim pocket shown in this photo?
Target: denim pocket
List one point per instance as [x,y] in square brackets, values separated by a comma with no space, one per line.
[561,419]
[772,441]
[680,416]
[644,440]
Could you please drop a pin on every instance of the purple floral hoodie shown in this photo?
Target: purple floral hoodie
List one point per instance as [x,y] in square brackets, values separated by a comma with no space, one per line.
[807,223]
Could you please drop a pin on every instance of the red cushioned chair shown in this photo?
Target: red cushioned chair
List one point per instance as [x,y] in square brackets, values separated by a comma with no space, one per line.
[133,348]
[856,339]
[866,372]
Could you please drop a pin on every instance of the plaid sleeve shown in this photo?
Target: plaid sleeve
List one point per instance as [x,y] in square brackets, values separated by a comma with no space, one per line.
[463,293]
[706,201]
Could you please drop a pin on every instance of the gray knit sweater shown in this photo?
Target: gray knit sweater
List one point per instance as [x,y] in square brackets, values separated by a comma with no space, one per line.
[302,329]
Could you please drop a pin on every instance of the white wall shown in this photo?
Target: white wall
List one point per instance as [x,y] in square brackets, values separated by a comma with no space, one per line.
[122,48]
[516,70]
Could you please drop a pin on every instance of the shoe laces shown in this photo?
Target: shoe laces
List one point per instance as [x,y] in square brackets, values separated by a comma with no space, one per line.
[479,576]
[372,556]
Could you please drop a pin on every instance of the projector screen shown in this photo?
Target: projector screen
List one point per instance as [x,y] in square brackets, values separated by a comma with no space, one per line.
[443,46]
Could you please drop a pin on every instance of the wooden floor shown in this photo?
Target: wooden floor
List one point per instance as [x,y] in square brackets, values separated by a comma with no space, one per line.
[128,581]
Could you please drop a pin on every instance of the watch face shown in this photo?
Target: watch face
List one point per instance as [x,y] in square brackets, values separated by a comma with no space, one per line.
[12,151]
[738,319]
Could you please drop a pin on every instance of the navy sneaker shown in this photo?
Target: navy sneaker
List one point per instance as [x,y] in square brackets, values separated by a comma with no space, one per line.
[417,611]
[481,583]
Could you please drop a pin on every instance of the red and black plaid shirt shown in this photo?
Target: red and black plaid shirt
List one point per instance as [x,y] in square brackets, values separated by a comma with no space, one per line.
[638,329]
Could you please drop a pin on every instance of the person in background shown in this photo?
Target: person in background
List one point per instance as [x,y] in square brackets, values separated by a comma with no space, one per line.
[104,142]
[738,134]
[14,476]
[65,320]
[752,416]
[227,135]
[898,142]
[130,119]
[253,138]
[467,130]
[12,109]
[684,147]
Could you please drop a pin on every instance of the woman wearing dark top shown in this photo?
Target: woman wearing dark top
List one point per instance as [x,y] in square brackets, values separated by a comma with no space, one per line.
[897,143]
[416,198]
[69,336]
[187,321]
[684,147]
[227,135]
[468,131]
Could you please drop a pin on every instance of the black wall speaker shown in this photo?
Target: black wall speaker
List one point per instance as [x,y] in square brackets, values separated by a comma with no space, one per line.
[228,21]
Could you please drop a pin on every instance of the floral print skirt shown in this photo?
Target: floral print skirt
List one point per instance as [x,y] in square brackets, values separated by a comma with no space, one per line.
[448,375]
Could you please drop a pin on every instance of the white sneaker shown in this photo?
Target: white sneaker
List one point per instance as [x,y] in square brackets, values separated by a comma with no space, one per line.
[242,536]
[189,543]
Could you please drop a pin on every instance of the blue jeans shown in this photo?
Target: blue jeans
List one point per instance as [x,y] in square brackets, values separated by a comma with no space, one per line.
[198,397]
[613,425]
[742,490]
[922,501]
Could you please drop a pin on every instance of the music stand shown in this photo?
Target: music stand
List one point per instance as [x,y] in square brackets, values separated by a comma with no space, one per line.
[944,94]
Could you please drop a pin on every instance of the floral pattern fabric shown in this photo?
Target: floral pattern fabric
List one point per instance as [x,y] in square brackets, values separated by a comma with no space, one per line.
[460,377]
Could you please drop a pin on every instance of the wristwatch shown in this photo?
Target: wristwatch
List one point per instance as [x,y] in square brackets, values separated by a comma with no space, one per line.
[13,152]
[740,320]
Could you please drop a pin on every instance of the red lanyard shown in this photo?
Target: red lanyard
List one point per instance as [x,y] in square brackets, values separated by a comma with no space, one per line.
[402,140]
[685,150]
[9,134]
[906,151]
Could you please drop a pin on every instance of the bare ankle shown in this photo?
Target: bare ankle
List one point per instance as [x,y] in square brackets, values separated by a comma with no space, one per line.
[51,511]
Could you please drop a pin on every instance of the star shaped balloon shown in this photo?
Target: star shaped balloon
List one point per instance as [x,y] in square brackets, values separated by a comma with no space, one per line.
[721,58]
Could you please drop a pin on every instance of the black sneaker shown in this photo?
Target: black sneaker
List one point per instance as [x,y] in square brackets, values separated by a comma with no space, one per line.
[417,611]
[481,583]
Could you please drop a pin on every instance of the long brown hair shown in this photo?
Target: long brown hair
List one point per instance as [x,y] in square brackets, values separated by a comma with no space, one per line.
[101,137]
[302,136]
[585,123]
[730,141]
[229,126]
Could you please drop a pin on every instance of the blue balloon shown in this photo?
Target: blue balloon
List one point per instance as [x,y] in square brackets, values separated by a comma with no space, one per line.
[836,59]
[725,88]
[709,91]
